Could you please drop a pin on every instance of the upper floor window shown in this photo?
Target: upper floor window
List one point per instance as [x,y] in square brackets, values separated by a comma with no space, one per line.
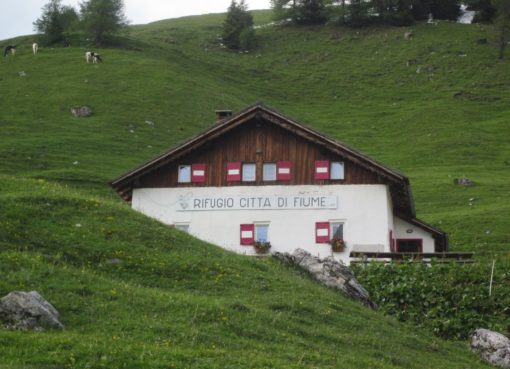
[269,172]
[337,170]
[249,172]
[184,175]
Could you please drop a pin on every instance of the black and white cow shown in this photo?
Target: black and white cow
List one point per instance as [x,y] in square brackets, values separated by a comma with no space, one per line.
[10,49]
[91,56]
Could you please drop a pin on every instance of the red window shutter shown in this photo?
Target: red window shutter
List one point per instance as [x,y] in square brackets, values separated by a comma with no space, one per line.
[321,169]
[247,234]
[283,171]
[234,172]
[322,232]
[198,173]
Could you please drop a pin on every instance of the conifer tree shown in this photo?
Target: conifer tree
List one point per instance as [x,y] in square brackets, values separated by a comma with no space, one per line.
[237,27]
[55,20]
[301,11]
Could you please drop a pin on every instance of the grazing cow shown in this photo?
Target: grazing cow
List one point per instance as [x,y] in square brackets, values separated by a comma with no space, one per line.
[10,49]
[96,58]
[35,47]
[91,56]
[88,56]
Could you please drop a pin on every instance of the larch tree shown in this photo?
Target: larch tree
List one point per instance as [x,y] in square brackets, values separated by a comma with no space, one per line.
[102,18]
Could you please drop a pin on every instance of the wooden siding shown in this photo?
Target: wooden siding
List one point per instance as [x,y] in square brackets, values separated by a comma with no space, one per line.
[258,142]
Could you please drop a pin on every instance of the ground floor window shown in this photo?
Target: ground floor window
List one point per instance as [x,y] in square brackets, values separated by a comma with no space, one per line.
[409,245]
[337,230]
[262,232]
[182,227]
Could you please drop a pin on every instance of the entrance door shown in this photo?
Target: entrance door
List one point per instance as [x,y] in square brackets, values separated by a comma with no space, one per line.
[410,245]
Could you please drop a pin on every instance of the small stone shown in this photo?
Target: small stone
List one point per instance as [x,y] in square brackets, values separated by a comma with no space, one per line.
[81,111]
[464,181]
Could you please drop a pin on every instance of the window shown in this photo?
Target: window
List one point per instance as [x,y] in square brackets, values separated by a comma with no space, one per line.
[262,232]
[336,230]
[409,245]
[249,172]
[337,170]
[184,175]
[182,227]
[269,172]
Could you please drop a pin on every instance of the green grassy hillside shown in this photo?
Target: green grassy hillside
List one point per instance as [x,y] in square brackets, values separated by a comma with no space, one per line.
[135,294]
[434,107]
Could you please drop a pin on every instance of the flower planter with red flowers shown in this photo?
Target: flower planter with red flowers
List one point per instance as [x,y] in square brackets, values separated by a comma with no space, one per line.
[337,245]
[262,247]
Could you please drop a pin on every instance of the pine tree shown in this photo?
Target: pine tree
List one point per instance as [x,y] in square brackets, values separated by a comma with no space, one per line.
[237,27]
[102,18]
[301,11]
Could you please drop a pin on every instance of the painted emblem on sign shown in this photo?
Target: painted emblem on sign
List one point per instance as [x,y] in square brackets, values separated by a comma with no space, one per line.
[184,200]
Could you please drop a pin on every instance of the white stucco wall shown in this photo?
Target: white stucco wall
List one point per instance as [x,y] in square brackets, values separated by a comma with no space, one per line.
[405,230]
[364,209]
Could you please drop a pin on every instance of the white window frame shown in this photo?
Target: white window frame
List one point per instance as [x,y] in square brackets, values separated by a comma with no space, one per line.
[243,178]
[256,225]
[182,226]
[264,166]
[180,178]
[331,172]
[331,225]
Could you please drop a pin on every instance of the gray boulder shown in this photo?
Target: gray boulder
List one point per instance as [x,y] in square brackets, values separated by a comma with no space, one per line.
[492,347]
[28,311]
[81,111]
[329,272]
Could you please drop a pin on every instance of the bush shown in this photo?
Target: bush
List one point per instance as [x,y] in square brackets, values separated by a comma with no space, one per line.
[402,19]
[450,299]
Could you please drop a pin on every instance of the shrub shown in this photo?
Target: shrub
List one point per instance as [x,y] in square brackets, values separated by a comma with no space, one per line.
[450,299]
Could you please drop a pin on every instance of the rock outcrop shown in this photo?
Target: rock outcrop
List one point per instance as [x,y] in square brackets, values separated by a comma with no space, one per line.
[492,346]
[329,272]
[28,311]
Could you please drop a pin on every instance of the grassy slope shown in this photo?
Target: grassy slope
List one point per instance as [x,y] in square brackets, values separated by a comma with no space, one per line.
[174,301]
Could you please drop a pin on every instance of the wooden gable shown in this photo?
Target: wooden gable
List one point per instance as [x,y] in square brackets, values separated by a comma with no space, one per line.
[258,141]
